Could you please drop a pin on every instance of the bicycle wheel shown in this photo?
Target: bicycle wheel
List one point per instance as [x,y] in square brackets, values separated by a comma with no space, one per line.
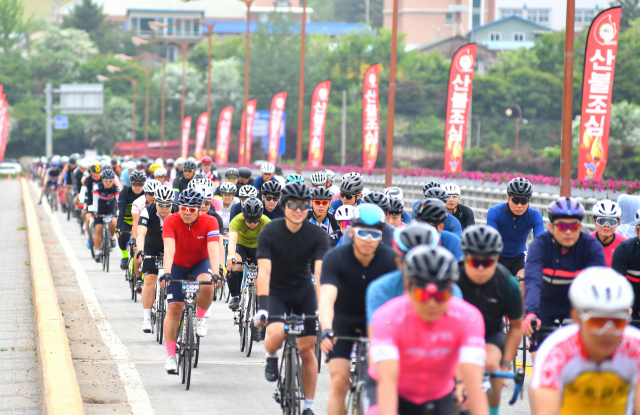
[241,327]
[69,208]
[248,325]
[103,246]
[189,347]
[318,350]
[197,352]
[107,252]
[292,384]
[92,232]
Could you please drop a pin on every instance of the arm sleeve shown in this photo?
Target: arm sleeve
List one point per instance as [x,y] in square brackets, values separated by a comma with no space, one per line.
[454,225]
[469,217]
[384,345]
[538,224]
[514,299]
[143,220]
[122,204]
[533,275]
[213,231]
[330,269]
[620,259]
[492,218]
[264,242]
[596,256]
[322,244]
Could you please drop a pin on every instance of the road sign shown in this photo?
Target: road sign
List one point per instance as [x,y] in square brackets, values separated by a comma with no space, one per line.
[80,98]
[261,130]
[61,122]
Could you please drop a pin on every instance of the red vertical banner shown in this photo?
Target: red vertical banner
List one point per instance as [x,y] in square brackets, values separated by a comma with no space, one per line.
[458,106]
[370,117]
[222,141]
[319,104]
[275,125]
[4,124]
[201,134]
[597,86]
[251,106]
[186,130]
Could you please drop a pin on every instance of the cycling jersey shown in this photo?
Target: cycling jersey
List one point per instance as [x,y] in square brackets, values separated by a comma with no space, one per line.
[626,261]
[104,199]
[125,202]
[275,213]
[77,179]
[451,243]
[68,175]
[212,175]
[387,235]
[465,215]
[611,246]
[125,178]
[428,353]
[88,182]
[235,210]
[225,213]
[138,204]
[246,236]
[330,225]
[588,388]
[191,240]
[151,219]
[514,229]
[180,184]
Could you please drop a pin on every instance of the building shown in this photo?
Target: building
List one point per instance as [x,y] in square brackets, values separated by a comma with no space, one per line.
[447,46]
[508,33]
[551,13]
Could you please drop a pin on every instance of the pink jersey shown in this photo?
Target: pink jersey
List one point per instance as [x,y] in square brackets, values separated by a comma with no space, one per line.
[428,352]
[608,250]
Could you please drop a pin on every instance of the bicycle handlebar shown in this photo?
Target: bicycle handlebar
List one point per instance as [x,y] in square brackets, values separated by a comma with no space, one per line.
[199,282]
[518,379]
[352,338]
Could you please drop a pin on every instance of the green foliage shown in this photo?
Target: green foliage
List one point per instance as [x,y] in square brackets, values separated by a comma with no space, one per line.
[630,12]
[114,125]
[12,27]
[346,11]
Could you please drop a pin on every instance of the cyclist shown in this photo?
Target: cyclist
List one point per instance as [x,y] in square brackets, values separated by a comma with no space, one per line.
[347,271]
[318,215]
[396,212]
[230,176]
[105,195]
[343,217]
[606,216]
[115,167]
[491,288]
[243,243]
[319,179]
[244,193]
[434,212]
[228,191]
[244,178]
[515,219]
[190,248]
[271,191]
[554,259]
[425,188]
[629,205]
[286,249]
[76,179]
[421,342]
[590,367]
[331,176]
[451,224]
[207,208]
[50,179]
[209,170]
[66,179]
[86,195]
[182,182]
[128,168]
[171,163]
[463,213]
[350,192]
[150,240]
[149,189]
[278,176]
[626,261]
[125,219]
[267,170]
[396,192]
[160,174]
[177,172]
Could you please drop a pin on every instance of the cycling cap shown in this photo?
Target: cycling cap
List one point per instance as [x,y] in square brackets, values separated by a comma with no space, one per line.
[206,160]
[352,186]
[160,171]
[395,205]
[231,171]
[171,162]
[244,172]
[295,191]
[271,187]
[379,199]
[565,207]
[108,174]
[95,168]
[151,185]
[294,178]
[180,161]
[248,191]
[607,209]
[344,212]
[137,176]
[190,197]
[481,240]
[452,189]
[267,168]
[394,192]
[319,178]
[189,165]
[425,265]
[164,194]
[368,214]
[415,234]
[428,186]
[321,193]
[330,175]
[228,188]
[252,208]
[519,187]
[437,193]
[601,289]
[431,210]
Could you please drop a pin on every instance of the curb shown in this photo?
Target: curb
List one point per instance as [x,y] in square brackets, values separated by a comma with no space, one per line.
[60,389]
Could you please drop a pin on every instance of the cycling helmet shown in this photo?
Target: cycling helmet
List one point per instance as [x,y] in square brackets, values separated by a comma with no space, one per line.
[228,188]
[271,187]
[190,197]
[95,168]
[379,199]
[132,165]
[137,176]
[344,212]
[428,186]
[431,210]
[349,175]
[55,165]
[164,194]
[394,192]
[330,175]
[318,178]
[252,208]
[151,185]
[206,160]
[295,191]
[519,187]
[103,164]
[160,171]
[638,217]
[114,162]
[452,189]
[395,205]
[248,191]
[321,193]
[601,289]
[198,175]
[194,183]
[207,192]
[607,209]
[72,160]
[565,207]
[415,234]
[144,159]
[365,191]
[189,165]
[64,159]
[437,193]
[180,161]
[170,162]
[425,265]
[481,240]
[370,215]
[108,174]
[231,171]
[295,178]
[244,172]
[267,168]
[352,186]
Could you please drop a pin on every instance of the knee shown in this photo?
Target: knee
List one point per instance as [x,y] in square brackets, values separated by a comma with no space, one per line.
[150,280]
[340,381]
[308,352]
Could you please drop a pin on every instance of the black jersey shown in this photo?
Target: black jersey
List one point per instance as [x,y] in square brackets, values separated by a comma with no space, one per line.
[465,215]
[150,218]
[104,198]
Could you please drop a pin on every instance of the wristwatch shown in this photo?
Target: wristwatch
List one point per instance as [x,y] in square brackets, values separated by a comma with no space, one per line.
[506,364]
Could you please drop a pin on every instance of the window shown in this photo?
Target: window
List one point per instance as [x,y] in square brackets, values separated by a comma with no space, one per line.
[477,3]
[170,28]
[170,52]
[585,16]
[538,15]
[495,36]
[144,23]
[518,36]
[475,20]
[510,12]
[448,18]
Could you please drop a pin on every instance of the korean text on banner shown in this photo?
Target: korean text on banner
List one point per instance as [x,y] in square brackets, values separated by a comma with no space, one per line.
[599,65]
[458,106]
[275,123]
[224,130]
[370,117]
[319,104]
[186,130]
[201,134]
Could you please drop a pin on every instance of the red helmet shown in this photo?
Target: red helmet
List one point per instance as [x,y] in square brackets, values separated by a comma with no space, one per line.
[206,160]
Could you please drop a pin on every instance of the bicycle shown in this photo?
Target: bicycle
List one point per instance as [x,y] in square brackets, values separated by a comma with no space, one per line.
[106,240]
[130,274]
[92,232]
[248,308]
[517,377]
[69,207]
[319,331]
[51,196]
[159,307]
[358,363]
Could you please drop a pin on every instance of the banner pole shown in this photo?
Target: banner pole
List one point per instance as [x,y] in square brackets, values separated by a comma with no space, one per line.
[567,103]
[392,95]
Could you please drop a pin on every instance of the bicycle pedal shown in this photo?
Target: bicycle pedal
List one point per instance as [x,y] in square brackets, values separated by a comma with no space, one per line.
[276,396]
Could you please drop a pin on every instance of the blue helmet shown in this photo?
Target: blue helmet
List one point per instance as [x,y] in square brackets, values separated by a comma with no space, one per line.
[295,178]
[368,214]
[190,197]
[108,174]
[55,165]
[567,208]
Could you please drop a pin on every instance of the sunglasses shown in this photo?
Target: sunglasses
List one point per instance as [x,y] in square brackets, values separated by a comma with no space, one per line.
[297,205]
[607,221]
[567,226]
[423,295]
[188,170]
[107,180]
[137,184]
[345,196]
[364,233]
[454,197]
[344,223]
[164,205]
[317,185]
[232,177]
[149,193]
[520,200]
[600,325]
[188,209]
[207,203]
[321,202]
[252,221]
[271,198]
[485,263]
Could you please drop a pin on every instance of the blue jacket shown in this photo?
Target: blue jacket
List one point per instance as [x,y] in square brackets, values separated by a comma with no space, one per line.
[451,224]
[258,182]
[337,203]
[406,218]
[514,232]
[548,272]
[236,209]
[451,242]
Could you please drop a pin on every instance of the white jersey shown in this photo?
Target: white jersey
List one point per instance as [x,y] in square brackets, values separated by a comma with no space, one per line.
[226,212]
[139,204]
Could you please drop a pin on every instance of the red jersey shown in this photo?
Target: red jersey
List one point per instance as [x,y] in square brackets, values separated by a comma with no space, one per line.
[191,240]
[608,249]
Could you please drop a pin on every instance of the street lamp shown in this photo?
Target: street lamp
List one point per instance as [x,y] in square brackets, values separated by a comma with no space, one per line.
[392,95]
[210,29]
[134,82]
[247,156]
[508,113]
[301,98]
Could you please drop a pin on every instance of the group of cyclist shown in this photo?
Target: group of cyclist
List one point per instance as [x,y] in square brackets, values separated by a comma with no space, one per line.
[442,301]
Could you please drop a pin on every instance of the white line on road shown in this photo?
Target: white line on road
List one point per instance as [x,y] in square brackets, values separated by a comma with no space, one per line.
[136,394]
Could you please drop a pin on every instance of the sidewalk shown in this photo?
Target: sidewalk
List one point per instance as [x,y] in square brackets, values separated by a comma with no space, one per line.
[19,379]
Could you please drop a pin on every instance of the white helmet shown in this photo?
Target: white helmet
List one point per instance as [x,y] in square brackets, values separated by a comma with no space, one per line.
[346,176]
[180,161]
[165,194]
[196,183]
[330,175]
[393,192]
[601,289]
[207,192]
[64,159]
[607,209]
[319,178]
[344,212]
[161,171]
[365,191]
[160,161]
[268,168]
[43,159]
[248,191]
[452,189]
[150,186]
[192,159]
[131,165]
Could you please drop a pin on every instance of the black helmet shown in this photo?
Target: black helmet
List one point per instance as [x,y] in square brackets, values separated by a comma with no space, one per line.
[437,193]
[395,205]
[519,187]
[379,199]
[231,171]
[352,186]
[252,208]
[108,174]
[321,193]
[171,162]
[95,168]
[295,191]
[144,159]
[271,187]
[198,175]
[424,265]
[189,165]
[72,160]
[481,240]
[431,210]
[190,197]
[137,176]
[414,234]
[428,186]
[244,172]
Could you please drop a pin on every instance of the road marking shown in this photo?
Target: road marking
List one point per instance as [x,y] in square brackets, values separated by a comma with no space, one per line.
[161,362]
[136,394]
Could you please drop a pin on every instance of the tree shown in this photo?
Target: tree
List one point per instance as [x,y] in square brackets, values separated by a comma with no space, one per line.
[630,12]
[12,28]
[114,125]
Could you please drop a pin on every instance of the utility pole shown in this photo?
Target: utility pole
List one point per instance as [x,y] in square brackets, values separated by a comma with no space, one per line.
[343,141]
[367,9]
[49,120]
